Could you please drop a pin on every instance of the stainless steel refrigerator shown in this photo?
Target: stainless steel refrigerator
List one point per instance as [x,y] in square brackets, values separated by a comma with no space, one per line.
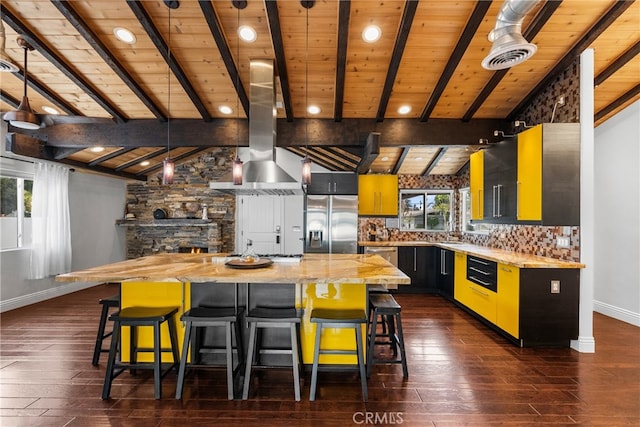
[331,224]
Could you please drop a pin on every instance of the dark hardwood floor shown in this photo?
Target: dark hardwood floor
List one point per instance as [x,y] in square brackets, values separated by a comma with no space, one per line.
[460,373]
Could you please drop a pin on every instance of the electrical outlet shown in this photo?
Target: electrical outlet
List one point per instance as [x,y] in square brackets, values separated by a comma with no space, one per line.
[555,286]
[563,242]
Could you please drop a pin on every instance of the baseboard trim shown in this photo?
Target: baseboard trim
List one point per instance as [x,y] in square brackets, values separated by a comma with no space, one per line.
[584,344]
[618,313]
[24,300]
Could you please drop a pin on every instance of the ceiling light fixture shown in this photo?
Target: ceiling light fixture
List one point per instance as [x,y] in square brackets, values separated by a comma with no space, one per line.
[50,110]
[371,33]
[97,149]
[168,165]
[404,109]
[247,33]
[124,35]
[559,102]
[519,123]
[501,133]
[306,162]
[23,117]
[225,109]
[243,33]
[313,109]
[144,163]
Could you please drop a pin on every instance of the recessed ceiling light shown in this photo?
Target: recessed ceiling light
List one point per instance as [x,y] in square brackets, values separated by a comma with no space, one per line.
[384,158]
[144,163]
[404,109]
[97,149]
[418,158]
[313,109]
[50,110]
[225,109]
[371,33]
[247,33]
[124,35]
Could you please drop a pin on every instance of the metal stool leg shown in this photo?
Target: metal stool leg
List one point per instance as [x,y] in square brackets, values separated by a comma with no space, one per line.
[363,374]
[316,358]
[249,361]
[101,336]
[113,349]
[295,361]
[183,360]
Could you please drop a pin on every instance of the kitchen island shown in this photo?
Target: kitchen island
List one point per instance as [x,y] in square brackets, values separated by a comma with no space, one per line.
[186,280]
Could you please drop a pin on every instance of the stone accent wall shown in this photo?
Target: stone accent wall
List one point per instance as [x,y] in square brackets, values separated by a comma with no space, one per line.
[183,199]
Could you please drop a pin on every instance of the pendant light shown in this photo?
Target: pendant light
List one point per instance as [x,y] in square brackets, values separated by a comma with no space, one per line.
[236,170]
[168,165]
[306,162]
[24,116]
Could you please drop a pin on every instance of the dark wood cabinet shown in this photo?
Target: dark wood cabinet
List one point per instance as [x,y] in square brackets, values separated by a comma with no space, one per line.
[414,261]
[500,187]
[443,266]
[333,183]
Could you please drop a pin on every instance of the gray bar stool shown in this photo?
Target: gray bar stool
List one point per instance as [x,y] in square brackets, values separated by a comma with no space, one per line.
[107,303]
[207,317]
[262,318]
[386,306]
[342,319]
[135,317]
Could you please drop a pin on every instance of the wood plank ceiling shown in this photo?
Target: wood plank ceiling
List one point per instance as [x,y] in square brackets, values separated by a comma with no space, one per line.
[428,59]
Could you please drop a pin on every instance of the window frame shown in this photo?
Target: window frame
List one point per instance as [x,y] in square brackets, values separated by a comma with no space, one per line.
[425,193]
[465,215]
[23,222]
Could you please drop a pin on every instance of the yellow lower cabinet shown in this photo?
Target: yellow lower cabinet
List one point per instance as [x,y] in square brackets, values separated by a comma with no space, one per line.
[508,315]
[154,294]
[459,273]
[479,299]
[335,296]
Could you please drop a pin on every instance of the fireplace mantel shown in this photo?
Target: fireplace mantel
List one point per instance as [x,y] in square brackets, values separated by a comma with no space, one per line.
[172,222]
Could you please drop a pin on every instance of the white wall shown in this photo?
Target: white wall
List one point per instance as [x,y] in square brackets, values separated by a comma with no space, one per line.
[95,203]
[617,207]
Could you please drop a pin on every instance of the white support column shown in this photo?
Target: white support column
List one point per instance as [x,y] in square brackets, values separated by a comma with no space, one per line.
[586,342]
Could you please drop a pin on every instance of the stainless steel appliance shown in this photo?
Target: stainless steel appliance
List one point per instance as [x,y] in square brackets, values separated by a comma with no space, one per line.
[331,224]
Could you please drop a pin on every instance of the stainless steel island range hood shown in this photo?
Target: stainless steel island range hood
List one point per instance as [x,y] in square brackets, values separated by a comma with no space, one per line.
[261,175]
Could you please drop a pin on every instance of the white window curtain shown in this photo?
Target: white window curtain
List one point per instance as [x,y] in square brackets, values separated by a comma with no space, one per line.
[51,253]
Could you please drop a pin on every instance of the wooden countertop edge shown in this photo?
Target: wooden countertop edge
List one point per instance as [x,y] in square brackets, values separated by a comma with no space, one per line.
[498,255]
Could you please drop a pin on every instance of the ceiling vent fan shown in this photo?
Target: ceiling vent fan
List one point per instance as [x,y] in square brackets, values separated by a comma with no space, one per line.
[509,46]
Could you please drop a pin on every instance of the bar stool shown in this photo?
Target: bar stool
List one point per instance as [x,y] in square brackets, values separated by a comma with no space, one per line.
[135,317]
[377,289]
[386,306]
[342,319]
[263,318]
[207,317]
[110,302]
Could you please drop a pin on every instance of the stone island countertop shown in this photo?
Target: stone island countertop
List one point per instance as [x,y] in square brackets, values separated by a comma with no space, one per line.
[313,268]
[516,259]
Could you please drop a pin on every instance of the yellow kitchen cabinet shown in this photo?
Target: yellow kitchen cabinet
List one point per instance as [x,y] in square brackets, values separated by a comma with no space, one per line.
[479,299]
[508,305]
[548,174]
[459,273]
[530,174]
[476,187]
[378,195]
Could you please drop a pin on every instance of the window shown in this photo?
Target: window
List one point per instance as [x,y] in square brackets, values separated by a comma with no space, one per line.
[426,210]
[15,212]
[465,211]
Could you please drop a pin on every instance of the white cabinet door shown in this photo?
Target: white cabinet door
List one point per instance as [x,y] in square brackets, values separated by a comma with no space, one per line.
[260,224]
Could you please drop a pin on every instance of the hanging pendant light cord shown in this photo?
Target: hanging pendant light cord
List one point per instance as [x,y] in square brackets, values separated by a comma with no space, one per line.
[306,88]
[238,89]
[25,71]
[169,88]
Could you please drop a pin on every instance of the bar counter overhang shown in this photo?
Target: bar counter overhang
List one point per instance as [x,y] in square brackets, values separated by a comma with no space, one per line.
[317,281]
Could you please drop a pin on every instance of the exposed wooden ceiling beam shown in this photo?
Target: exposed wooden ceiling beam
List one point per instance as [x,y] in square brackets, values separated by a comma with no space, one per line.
[137,160]
[225,53]
[64,152]
[109,156]
[369,153]
[532,30]
[620,62]
[25,145]
[175,159]
[330,153]
[59,63]
[154,34]
[4,96]
[344,13]
[398,50]
[224,132]
[470,29]
[35,84]
[310,153]
[434,161]
[281,59]
[403,155]
[626,97]
[617,9]
[94,41]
